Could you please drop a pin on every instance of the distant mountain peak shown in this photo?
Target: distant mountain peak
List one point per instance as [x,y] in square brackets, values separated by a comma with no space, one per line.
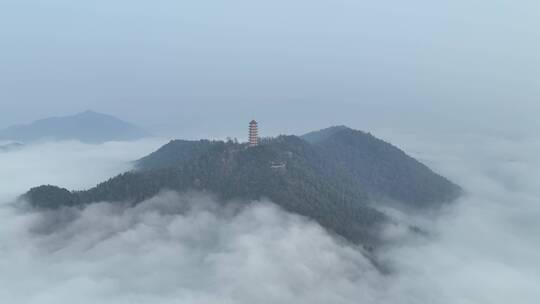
[88,126]
[90,112]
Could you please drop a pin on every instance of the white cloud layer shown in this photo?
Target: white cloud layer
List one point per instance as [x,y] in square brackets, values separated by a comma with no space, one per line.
[181,249]
[485,248]
[189,249]
[73,165]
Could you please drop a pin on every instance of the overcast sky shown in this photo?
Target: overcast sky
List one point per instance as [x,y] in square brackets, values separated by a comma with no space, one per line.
[207,67]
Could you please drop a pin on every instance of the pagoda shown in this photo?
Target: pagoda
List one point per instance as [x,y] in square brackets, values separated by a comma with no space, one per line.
[253,134]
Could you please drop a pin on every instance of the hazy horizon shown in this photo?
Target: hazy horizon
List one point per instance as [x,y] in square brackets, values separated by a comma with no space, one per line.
[205,67]
[453,84]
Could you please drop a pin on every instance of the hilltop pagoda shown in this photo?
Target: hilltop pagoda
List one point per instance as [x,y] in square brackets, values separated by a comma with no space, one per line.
[253,134]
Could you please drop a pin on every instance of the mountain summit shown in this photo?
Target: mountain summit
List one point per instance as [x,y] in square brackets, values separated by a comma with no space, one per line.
[89,126]
[333,179]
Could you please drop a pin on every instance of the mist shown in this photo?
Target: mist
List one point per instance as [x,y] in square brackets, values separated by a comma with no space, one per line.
[73,165]
[484,248]
[203,68]
[190,248]
[453,83]
[171,248]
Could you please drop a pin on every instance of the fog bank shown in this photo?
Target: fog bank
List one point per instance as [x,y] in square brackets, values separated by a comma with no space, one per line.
[73,165]
[180,249]
[484,249]
[188,248]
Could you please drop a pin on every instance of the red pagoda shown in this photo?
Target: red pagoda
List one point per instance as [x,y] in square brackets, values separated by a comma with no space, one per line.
[253,134]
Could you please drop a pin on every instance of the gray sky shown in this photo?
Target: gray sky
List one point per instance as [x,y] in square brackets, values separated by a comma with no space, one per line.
[205,67]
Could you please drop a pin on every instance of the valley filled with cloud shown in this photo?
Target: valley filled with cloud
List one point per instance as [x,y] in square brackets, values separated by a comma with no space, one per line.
[189,248]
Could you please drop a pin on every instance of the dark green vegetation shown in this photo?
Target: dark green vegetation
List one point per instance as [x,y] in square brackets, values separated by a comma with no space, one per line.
[381,169]
[329,177]
[321,135]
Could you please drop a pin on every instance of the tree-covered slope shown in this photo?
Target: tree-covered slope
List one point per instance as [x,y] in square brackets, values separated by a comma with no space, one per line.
[321,135]
[385,171]
[331,181]
[175,154]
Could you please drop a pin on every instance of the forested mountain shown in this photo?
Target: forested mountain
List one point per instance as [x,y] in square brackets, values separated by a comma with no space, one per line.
[89,126]
[321,135]
[381,168]
[175,153]
[330,180]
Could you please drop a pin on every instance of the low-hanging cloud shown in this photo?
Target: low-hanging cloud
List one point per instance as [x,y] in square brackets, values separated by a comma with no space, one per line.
[71,164]
[171,248]
[188,248]
[484,248]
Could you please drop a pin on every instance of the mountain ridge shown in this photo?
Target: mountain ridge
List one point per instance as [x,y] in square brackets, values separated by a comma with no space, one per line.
[301,177]
[88,126]
[361,155]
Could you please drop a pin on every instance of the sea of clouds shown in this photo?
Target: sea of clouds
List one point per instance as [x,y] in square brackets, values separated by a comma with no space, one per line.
[186,248]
